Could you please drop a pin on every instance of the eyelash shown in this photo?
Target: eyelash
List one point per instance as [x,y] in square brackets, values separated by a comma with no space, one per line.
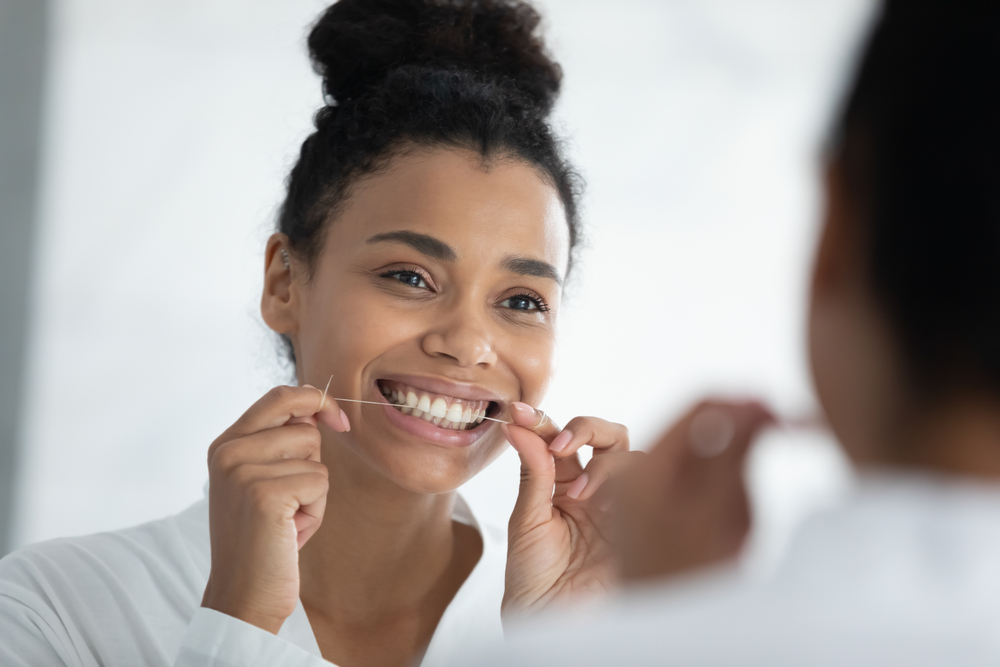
[540,303]
[392,273]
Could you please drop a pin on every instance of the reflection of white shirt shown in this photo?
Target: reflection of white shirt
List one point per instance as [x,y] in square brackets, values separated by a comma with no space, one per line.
[132,597]
[907,572]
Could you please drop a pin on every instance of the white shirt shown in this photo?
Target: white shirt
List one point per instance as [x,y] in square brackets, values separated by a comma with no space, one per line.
[907,572]
[132,597]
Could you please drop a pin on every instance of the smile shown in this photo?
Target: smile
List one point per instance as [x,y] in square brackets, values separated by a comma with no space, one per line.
[446,412]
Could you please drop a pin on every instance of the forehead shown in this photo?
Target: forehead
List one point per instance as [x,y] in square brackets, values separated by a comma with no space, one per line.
[482,210]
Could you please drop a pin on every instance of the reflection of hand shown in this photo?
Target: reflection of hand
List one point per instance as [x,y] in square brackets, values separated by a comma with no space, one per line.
[267,494]
[556,546]
[686,505]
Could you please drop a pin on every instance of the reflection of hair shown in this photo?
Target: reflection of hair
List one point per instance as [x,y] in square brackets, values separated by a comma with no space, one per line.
[470,74]
[919,144]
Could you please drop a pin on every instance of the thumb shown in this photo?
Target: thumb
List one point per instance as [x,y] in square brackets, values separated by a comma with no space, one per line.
[538,478]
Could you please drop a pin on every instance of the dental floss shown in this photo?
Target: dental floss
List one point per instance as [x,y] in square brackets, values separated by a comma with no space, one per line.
[806,422]
[327,388]
[352,400]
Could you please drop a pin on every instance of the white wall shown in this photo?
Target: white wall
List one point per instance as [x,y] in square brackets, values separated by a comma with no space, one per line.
[171,125]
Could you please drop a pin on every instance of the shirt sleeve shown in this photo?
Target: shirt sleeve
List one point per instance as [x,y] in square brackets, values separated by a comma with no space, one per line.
[28,638]
[214,639]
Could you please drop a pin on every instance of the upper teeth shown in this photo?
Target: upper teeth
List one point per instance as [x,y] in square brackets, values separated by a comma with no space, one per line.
[443,411]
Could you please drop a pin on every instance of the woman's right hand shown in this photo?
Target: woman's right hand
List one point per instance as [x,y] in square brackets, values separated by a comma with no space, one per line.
[267,494]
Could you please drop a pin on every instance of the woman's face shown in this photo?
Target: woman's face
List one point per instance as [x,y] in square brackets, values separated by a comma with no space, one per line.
[437,290]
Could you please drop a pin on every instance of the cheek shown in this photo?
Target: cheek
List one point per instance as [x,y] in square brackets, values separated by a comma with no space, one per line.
[534,365]
[354,329]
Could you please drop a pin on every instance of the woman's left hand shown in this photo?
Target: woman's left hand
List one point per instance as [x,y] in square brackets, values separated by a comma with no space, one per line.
[557,542]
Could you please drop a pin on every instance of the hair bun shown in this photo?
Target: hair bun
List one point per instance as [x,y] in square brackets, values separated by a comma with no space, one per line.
[356,43]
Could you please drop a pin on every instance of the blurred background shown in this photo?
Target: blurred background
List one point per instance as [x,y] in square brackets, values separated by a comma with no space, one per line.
[143,147]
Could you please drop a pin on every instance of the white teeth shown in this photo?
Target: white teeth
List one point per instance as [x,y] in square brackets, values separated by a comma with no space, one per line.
[459,416]
[439,408]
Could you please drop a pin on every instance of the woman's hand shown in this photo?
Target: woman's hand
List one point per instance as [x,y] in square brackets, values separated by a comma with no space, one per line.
[557,545]
[686,506]
[267,494]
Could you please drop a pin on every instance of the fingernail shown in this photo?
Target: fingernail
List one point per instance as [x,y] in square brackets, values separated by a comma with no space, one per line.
[523,408]
[711,432]
[560,441]
[578,485]
[345,420]
[308,386]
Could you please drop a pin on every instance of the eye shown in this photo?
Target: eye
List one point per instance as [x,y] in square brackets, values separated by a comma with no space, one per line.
[411,278]
[524,302]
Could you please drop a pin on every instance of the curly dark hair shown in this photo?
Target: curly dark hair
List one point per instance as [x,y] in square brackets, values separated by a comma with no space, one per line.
[918,142]
[470,74]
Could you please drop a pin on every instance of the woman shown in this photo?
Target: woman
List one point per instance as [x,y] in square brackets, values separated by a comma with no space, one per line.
[429,225]
[904,343]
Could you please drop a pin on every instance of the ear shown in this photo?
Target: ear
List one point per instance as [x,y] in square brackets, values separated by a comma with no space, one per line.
[838,259]
[280,299]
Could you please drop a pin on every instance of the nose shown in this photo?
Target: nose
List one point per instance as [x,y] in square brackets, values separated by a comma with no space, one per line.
[464,338]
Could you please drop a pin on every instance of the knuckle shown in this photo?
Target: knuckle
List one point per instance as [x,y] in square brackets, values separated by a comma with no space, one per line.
[225,457]
[299,436]
[311,435]
[281,393]
[243,475]
[260,493]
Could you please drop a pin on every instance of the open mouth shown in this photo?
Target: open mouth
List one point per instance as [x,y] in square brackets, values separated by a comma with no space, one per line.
[448,412]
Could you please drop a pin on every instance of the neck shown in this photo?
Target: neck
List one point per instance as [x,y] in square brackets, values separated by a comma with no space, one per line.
[380,548]
[958,436]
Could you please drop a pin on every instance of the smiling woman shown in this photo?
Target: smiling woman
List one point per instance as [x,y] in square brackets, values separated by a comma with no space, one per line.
[416,272]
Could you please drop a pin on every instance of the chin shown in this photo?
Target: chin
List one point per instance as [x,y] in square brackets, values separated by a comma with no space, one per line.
[430,469]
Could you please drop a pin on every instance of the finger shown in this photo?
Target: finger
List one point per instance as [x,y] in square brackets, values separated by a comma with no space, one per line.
[282,404]
[713,428]
[295,441]
[251,473]
[534,420]
[285,495]
[534,496]
[599,471]
[716,428]
[568,468]
[602,435]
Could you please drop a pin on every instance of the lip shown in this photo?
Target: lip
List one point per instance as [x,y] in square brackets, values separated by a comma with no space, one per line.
[427,431]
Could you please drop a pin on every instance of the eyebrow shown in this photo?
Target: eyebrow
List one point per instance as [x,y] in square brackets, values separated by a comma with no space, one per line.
[525,266]
[428,245]
[432,247]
